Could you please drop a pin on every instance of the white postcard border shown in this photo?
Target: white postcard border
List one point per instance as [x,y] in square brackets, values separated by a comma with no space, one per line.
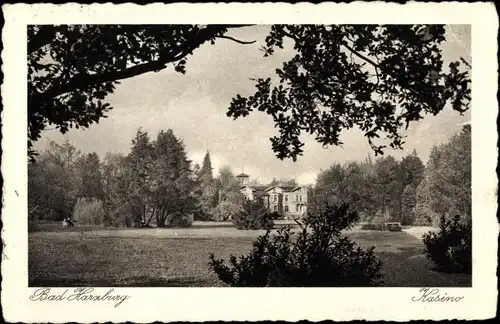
[203,304]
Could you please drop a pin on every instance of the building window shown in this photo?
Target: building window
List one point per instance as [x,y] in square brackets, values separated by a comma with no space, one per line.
[275,208]
[296,208]
[275,197]
[296,197]
[286,208]
[300,198]
[286,197]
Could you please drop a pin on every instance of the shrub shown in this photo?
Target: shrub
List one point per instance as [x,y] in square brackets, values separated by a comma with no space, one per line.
[423,220]
[450,248]
[253,215]
[276,215]
[372,227]
[179,220]
[119,216]
[89,211]
[319,256]
[225,210]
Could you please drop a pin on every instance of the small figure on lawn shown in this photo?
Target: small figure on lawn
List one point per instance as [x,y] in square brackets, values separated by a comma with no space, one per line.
[68,223]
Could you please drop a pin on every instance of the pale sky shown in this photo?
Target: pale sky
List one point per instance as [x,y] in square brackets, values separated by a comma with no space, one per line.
[194,106]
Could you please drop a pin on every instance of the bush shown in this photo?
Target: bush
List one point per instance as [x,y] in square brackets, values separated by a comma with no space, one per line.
[317,257]
[179,220]
[119,216]
[372,227]
[276,215]
[450,248]
[422,220]
[89,211]
[225,210]
[253,215]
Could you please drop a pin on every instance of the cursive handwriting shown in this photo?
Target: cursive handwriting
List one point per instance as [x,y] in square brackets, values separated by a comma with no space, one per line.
[78,295]
[428,295]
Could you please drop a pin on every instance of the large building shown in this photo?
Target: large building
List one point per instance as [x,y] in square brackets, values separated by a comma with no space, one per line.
[291,202]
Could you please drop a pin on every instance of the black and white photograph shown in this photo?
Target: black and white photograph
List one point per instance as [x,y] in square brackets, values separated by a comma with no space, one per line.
[263,155]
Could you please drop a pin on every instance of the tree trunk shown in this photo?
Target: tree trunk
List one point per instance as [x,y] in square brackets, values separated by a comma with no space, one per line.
[161,217]
[157,216]
[151,217]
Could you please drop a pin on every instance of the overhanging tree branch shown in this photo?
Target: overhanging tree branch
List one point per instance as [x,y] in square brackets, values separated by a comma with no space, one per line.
[236,40]
[85,80]
[366,59]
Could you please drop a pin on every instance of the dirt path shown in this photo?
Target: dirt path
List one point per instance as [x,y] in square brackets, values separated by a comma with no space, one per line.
[419,231]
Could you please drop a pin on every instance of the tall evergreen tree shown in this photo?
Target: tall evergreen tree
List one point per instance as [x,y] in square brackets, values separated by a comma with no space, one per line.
[140,162]
[449,176]
[423,212]
[205,174]
[208,197]
[173,186]
[387,187]
[408,205]
[91,177]
[412,170]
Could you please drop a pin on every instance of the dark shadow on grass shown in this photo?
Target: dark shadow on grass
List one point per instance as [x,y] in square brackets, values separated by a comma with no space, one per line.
[410,268]
[221,225]
[145,281]
[137,281]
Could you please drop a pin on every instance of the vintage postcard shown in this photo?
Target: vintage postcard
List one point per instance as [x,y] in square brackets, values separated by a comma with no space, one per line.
[201,162]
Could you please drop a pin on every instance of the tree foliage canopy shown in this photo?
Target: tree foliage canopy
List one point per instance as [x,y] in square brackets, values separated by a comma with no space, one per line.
[377,78]
[406,191]
[398,77]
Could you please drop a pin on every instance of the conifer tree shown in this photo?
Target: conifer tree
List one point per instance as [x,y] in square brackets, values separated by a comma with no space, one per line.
[140,162]
[208,197]
[91,177]
[173,186]
[408,205]
[412,170]
[205,174]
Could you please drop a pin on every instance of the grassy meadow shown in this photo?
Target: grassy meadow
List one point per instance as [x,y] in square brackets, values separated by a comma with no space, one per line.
[179,257]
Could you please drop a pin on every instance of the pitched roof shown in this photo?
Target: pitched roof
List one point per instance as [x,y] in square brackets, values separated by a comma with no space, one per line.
[260,193]
[285,188]
[242,175]
[267,188]
[258,188]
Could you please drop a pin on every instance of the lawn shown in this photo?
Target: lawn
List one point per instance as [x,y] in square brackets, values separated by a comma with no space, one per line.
[179,257]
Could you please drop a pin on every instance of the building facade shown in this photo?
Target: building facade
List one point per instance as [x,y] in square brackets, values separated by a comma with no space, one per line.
[291,202]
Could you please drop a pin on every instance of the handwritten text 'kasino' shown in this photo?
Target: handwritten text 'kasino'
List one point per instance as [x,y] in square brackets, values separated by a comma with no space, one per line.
[433,295]
[78,295]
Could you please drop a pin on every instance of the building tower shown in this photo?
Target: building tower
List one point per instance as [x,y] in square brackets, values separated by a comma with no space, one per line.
[243,178]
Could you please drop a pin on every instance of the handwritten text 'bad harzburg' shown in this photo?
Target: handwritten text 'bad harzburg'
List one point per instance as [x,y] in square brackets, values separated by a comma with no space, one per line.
[78,295]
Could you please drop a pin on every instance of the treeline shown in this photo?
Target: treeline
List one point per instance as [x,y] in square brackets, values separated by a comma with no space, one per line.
[406,191]
[155,184]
